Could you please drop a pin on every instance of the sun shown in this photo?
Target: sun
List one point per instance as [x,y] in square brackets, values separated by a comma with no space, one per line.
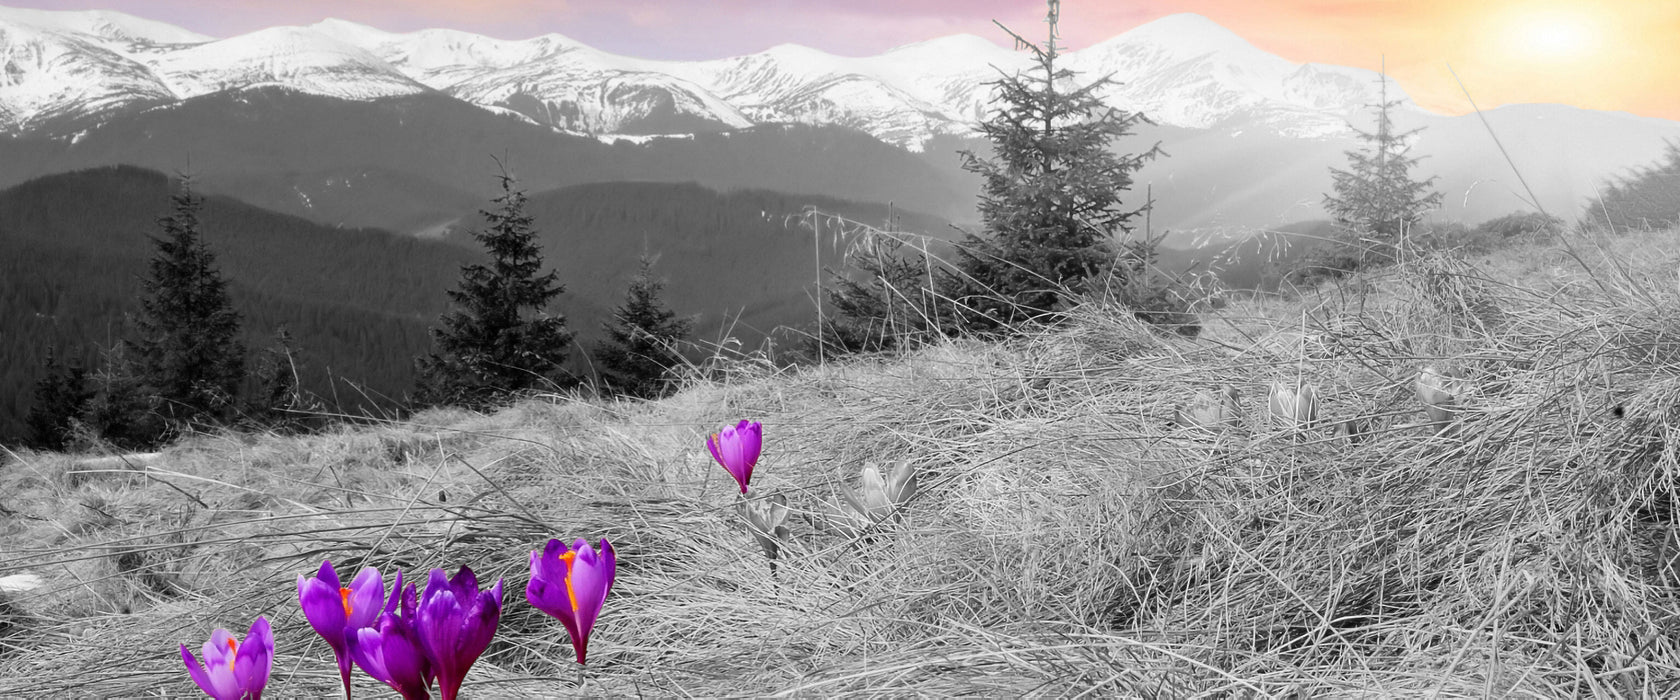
[1552,35]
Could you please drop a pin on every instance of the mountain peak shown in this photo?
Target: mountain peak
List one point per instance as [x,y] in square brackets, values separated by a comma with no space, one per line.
[963,44]
[299,58]
[350,32]
[103,24]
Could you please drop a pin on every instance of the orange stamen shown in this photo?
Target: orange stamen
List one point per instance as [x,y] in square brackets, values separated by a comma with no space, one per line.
[345,594]
[233,651]
[568,557]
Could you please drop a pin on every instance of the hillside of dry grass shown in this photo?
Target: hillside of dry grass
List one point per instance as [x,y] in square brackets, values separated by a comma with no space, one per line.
[1066,539]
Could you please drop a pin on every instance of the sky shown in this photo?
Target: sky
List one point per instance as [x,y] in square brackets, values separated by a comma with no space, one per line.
[1598,54]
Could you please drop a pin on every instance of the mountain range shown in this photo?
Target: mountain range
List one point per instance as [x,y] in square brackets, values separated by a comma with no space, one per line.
[1251,135]
[1183,70]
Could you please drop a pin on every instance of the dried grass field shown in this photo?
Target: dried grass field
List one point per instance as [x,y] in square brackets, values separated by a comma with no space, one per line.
[1067,538]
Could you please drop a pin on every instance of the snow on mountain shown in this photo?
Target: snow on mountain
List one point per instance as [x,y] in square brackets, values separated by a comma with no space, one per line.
[1186,70]
[291,57]
[104,24]
[903,96]
[48,73]
[551,80]
[1181,70]
[578,95]
[431,55]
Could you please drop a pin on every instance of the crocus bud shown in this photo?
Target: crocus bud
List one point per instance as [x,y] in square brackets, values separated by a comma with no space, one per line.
[1295,407]
[736,447]
[765,518]
[1211,412]
[1440,391]
[880,497]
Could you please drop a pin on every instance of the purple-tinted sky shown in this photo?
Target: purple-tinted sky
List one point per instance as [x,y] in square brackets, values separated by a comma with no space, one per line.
[1601,54]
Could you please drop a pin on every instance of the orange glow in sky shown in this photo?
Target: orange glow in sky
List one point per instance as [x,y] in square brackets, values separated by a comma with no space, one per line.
[1604,54]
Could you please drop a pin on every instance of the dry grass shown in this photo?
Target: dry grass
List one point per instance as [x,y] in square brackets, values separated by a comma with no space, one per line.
[1066,539]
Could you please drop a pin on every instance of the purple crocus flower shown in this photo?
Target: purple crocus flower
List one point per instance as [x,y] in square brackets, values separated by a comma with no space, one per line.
[391,651]
[736,448]
[571,585]
[234,670]
[456,622]
[336,612]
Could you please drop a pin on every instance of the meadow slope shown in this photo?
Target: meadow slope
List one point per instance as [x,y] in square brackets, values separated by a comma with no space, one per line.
[1066,538]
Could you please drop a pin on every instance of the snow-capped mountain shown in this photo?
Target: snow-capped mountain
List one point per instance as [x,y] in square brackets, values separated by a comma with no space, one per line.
[75,64]
[290,57]
[1185,70]
[1182,70]
[115,27]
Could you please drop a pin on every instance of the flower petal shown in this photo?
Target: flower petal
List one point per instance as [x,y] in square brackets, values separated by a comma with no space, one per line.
[255,658]
[711,444]
[367,597]
[196,670]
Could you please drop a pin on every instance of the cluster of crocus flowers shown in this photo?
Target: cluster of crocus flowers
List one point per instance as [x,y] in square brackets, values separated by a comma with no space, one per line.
[736,447]
[403,642]
[234,669]
[571,584]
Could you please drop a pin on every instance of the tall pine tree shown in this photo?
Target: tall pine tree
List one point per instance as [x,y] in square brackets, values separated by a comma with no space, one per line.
[1050,202]
[189,353]
[1376,198]
[643,339]
[500,338]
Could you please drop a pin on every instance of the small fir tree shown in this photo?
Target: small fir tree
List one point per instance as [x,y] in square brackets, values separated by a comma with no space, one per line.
[61,397]
[189,353]
[499,339]
[1050,203]
[123,412]
[890,300]
[1376,198]
[643,339]
[277,400]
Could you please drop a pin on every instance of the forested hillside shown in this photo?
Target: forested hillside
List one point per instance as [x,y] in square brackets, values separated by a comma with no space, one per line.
[358,301]
[73,248]
[741,261]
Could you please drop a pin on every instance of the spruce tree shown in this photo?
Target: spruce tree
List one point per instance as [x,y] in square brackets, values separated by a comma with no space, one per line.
[1050,202]
[499,339]
[61,396]
[123,412]
[890,300]
[1376,198]
[189,353]
[277,398]
[643,339]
